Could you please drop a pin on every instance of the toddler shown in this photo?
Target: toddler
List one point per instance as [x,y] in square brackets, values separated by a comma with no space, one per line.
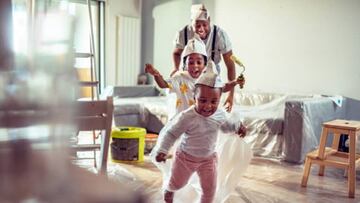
[198,127]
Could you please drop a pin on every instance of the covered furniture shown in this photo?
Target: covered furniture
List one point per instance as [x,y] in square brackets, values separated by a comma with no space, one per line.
[141,106]
[303,118]
[286,126]
[283,126]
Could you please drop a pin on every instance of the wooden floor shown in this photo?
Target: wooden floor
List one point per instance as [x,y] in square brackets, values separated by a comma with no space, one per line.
[264,181]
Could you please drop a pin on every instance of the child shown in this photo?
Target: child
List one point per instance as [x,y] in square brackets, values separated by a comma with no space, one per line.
[182,83]
[199,126]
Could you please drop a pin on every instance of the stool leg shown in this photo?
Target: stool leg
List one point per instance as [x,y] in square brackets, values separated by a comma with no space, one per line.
[321,170]
[322,144]
[352,175]
[336,140]
[307,167]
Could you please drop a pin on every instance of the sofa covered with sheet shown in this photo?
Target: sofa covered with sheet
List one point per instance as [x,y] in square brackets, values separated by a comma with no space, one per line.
[303,124]
[287,126]
[279,125]
[140,106]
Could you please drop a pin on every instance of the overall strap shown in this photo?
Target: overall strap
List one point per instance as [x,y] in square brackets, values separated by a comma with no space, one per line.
[213,44]
[185,35]
[185,42]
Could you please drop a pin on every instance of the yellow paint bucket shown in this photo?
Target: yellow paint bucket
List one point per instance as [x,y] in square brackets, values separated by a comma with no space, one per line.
[127,144]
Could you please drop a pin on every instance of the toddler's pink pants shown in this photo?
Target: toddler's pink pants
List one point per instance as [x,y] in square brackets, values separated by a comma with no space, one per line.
[185,165]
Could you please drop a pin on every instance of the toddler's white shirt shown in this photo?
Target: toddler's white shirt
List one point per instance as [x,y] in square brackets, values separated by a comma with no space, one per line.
[199,133]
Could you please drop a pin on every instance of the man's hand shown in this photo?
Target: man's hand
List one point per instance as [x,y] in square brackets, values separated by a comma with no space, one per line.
[229,102]
[242,131]
[160,157]
[241,80]
[151,70]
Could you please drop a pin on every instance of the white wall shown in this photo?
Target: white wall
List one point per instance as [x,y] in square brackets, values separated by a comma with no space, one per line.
[169,17]
[301,46]
[113,9]
[160,21]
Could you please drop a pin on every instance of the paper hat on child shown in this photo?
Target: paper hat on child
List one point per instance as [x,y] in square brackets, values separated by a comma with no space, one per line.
[194,45]
[209,76]
[199,12]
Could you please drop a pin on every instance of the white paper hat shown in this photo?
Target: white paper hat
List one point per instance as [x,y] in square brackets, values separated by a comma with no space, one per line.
[194,45]
[209,76]
[199,12]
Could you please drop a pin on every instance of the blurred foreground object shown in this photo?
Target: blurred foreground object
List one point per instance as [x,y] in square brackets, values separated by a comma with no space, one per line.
[6,56]
[92,116]
[37,97]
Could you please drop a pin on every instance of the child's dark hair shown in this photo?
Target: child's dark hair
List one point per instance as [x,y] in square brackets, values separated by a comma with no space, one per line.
[196,89]
[184,61]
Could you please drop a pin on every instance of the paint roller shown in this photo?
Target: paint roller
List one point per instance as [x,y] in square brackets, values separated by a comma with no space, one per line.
[238,62]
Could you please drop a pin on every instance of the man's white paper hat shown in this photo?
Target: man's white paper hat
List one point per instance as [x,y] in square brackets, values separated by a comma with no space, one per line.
[194,45]
[199,12]
[209,76]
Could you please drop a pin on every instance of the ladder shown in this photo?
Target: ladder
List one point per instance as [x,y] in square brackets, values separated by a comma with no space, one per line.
[94,82]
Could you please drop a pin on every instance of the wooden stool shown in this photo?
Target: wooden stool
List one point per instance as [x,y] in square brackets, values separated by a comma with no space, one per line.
[326,156]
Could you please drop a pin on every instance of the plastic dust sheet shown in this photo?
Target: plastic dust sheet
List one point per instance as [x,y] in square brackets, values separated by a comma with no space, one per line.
[282,126]
[286,126]
[263,117]
[148,112]
[234,157]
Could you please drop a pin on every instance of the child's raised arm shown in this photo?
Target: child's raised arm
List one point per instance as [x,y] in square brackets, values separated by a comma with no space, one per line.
[158,77]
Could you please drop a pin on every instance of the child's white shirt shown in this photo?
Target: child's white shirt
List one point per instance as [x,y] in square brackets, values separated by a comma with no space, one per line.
[199,133]
[183,85]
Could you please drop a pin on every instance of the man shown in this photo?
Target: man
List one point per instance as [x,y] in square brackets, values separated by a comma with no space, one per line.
[216,40]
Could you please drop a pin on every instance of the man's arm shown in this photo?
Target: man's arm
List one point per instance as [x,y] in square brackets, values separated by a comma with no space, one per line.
[230,65]
[176,59]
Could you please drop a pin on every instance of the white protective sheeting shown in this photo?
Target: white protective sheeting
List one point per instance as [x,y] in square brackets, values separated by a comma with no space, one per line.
[234,157]
[282,126]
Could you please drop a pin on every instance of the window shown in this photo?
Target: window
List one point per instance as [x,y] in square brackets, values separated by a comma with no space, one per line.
[24,12]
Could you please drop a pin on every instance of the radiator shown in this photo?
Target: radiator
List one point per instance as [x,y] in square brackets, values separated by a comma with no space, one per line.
[127,50]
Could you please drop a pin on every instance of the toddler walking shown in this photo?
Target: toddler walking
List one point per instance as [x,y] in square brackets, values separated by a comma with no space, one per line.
[198,127]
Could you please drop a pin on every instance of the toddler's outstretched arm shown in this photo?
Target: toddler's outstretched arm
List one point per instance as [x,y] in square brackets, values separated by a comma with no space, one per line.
[158,77]
[237,127]
[229,85]
[242,131]
[160,157]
